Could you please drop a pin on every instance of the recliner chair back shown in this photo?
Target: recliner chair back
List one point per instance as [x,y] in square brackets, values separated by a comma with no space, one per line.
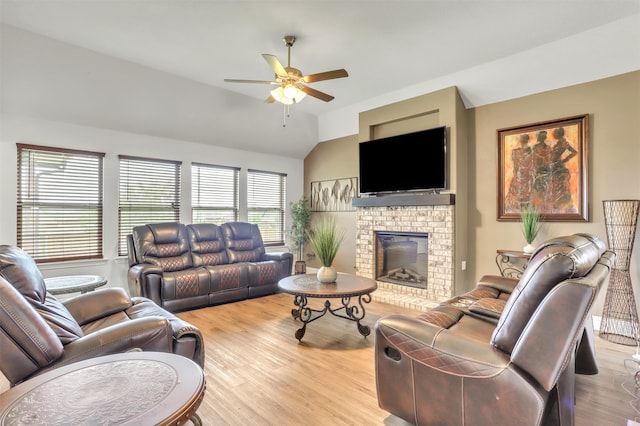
[243,241]
[163,244]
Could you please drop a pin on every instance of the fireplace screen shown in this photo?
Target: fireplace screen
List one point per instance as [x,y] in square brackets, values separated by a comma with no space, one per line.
[401,258]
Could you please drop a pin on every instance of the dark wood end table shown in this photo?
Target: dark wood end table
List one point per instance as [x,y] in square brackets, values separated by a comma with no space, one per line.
[133,388]
[346,286]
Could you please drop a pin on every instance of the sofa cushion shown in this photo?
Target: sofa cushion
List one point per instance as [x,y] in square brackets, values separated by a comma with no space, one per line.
[20,270]
[207,245]
[163,244]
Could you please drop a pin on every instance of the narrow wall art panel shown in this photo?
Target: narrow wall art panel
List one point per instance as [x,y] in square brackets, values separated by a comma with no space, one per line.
[334,195]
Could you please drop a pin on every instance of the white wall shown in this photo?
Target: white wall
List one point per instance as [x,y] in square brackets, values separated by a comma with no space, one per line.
[66,135]
[56,94]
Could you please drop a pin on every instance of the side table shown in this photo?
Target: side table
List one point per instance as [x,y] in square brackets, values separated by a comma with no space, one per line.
[512,263]
[133,388]
[74,283]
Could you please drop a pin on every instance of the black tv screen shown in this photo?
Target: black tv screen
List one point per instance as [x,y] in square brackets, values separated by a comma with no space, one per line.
[410,162]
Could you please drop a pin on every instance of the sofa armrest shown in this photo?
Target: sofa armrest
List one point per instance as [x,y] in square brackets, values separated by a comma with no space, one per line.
[285,259]
[279,256]
[440,348]
[145,280]
[147,334]
[182,330]
[500,283]
[89,307]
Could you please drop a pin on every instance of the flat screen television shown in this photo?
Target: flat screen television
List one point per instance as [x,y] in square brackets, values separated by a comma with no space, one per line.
[410,162]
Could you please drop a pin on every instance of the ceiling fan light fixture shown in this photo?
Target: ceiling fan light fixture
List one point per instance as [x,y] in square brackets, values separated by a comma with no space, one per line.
[288,95]
[290,91]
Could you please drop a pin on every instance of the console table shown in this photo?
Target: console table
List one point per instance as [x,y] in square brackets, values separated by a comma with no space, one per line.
[133,388]
[512,263]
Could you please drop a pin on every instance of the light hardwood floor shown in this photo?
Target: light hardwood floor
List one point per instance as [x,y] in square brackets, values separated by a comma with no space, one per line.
[259,374]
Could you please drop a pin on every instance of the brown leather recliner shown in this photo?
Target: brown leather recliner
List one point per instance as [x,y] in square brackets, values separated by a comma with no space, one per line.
[38,332]
[452,366]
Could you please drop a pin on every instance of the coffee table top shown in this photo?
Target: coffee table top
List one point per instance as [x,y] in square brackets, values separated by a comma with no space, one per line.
[346,285]
[129,388]
[74,283]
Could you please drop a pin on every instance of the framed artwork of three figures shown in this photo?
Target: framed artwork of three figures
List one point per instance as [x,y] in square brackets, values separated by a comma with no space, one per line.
[544,165]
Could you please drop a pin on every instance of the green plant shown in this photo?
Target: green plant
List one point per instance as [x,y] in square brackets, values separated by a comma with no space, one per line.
[325,239]
[301,217]
[531,222]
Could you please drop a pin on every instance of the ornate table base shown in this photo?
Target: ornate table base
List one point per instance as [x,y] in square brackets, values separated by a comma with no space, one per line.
[346,287]
[352,313]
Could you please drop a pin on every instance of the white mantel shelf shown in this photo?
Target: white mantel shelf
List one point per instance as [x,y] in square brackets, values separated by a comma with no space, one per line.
[406,200]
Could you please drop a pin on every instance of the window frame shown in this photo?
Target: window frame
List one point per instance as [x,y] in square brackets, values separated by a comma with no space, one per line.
[43,198]
[253,206]
[200,191]
[150,212]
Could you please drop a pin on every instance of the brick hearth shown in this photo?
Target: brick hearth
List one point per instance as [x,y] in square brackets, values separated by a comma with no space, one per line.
[438,222]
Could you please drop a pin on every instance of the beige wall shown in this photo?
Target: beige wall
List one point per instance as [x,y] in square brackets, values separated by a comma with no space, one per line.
[334,159]
[613,105]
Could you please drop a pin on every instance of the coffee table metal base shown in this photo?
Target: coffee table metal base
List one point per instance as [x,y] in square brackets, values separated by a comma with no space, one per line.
[346,288]
[352,313]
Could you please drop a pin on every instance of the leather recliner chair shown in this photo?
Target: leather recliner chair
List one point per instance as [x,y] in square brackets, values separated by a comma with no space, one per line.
[452,366]
[38,332]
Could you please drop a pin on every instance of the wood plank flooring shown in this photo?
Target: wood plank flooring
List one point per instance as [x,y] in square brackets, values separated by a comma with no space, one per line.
[259,374]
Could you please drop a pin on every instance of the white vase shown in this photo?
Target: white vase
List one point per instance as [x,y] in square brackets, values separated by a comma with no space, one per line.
[528,249]
[327,274]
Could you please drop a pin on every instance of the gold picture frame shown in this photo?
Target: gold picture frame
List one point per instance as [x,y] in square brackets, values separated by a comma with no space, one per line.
[544,165]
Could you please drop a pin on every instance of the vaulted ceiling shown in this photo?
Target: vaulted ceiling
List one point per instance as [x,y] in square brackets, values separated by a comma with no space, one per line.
[491,50]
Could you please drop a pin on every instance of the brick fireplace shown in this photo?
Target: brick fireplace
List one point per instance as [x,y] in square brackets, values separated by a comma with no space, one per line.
[436,221]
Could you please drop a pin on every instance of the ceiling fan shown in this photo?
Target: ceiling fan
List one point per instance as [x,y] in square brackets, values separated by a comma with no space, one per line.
[292,84]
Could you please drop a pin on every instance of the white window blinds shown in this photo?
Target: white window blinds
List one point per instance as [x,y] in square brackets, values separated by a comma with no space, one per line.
[214,193]
[149,193]
[265,204]
[59,210]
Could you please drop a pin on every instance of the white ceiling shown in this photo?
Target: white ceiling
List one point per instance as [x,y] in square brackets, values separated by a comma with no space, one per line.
[386,46]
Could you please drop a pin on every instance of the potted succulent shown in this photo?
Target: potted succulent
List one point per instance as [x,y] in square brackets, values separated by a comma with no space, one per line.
[531,222]
[301,217]
[325,239]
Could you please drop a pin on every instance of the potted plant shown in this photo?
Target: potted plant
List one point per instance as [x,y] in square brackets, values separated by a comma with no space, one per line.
[531,222]
[325,239]
[301,217]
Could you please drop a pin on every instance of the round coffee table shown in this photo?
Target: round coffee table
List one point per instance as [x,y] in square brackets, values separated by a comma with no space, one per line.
[74,283]
[346,286]
[133,388]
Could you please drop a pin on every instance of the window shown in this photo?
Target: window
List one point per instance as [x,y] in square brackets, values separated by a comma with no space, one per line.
[149,193]
[265,204]
[214,193]
[59,203]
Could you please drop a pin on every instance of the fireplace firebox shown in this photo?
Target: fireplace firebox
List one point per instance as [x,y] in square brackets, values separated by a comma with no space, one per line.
[402,258]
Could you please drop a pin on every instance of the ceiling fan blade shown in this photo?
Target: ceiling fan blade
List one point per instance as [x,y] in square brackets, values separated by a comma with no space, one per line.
[328,75]
[316,93]
[231,80]
[276,65]
[270,100]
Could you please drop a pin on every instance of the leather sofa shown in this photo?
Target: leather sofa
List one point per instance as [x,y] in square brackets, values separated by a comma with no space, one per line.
[39,332]
[183,267]
[504,353]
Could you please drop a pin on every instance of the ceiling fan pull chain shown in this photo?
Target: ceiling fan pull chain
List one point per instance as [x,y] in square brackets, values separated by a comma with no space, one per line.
[284,115]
